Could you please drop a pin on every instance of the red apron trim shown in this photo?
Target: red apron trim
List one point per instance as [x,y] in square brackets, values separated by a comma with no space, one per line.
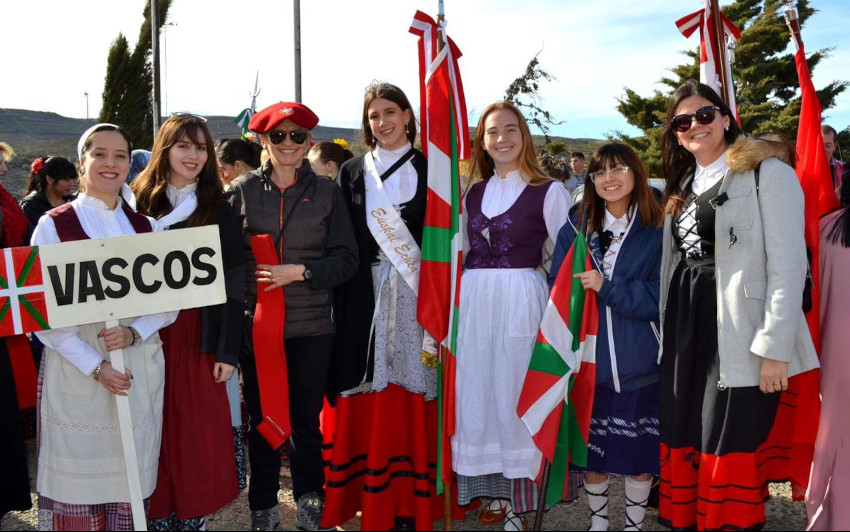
[269,352]
[23,369]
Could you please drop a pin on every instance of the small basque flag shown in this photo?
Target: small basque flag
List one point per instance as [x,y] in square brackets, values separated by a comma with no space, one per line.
[23,307]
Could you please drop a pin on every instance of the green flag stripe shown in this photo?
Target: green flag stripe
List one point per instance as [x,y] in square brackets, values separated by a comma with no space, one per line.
[559,474]
[577,292]
[25,271]
[546,359]
[436,244]
[5,310]
[36,315]
[3,284]
[577,445]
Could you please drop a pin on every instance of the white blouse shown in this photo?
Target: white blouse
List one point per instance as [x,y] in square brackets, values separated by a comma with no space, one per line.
[706,177]
[178,195]
[618,227]
[98,221]
[401,186]
[502,192]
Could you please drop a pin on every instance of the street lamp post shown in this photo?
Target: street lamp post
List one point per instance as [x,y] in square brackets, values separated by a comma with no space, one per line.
[87,105]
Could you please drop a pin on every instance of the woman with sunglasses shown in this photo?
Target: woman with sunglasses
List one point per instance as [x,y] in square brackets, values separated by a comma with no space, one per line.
[180,188]
[314,251]
[621,217]
[734,332]
[387,408]
[511,214]
[82,478]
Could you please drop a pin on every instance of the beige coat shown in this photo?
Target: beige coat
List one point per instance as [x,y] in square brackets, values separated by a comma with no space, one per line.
[760,277]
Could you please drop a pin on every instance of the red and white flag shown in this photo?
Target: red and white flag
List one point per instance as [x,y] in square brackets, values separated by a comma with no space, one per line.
[556,401]
[712,62]
[445,140]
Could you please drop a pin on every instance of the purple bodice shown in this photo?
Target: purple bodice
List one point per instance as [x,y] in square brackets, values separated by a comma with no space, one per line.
[514,239]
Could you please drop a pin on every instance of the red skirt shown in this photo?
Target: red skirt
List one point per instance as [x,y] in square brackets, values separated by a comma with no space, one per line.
[196,476]
[384,462]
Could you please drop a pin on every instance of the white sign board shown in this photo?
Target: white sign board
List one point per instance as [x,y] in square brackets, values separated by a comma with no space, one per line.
[91,281]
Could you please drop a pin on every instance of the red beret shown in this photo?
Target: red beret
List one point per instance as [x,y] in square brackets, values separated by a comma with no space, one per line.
[271,116]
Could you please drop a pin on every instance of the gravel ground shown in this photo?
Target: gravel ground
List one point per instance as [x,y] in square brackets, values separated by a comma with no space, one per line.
[782,513]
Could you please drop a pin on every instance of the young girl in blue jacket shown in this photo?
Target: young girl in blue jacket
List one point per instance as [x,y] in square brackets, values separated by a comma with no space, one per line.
[620,215]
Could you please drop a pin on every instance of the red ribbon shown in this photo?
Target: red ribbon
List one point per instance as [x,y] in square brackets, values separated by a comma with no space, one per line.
[269,352]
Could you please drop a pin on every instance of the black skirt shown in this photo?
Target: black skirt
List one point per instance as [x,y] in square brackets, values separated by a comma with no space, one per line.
[711,435]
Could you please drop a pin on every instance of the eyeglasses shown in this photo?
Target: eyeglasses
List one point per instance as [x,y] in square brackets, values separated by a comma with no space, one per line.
[614,172]
[277,136]
[704,115]
[186,116]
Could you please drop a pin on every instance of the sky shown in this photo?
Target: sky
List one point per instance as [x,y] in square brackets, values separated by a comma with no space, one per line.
[55,51]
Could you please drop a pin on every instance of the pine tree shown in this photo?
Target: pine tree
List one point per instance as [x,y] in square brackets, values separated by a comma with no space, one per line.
[765,79]
[129,82]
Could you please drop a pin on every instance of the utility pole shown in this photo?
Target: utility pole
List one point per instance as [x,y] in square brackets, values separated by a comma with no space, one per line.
[165,60]
[157,118]
[296,20]
[87,105]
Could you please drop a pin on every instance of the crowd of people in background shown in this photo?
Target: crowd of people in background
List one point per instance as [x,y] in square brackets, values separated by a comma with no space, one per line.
[702,334]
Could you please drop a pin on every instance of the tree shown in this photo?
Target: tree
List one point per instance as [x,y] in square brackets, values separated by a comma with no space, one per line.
[763,70]
[523,93]
[557,147]
[127,90]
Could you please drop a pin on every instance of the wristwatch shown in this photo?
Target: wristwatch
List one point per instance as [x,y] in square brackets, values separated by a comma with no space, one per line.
[96,372]
[308,273]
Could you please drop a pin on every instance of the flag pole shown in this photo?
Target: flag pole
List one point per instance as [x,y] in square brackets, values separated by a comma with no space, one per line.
[541,501]
[793,23]
[720,48]
[447,490]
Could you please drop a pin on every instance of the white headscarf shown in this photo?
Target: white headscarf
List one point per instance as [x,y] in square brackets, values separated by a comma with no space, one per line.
[126,193]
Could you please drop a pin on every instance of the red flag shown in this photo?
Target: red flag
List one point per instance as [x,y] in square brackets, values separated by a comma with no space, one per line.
[816,181]
[815,178]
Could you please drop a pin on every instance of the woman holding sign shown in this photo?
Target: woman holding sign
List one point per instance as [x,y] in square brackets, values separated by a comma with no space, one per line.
[180,187]
[82,480]
[388,412]
[302,230]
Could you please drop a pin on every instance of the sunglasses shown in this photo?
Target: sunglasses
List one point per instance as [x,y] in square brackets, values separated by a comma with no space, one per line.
[704,115]
[278,136]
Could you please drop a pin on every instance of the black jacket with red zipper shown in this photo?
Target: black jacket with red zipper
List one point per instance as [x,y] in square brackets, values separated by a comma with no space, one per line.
[318,234]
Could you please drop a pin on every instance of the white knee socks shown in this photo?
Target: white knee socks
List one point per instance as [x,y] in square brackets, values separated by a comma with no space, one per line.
[597,500]
[637,495]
